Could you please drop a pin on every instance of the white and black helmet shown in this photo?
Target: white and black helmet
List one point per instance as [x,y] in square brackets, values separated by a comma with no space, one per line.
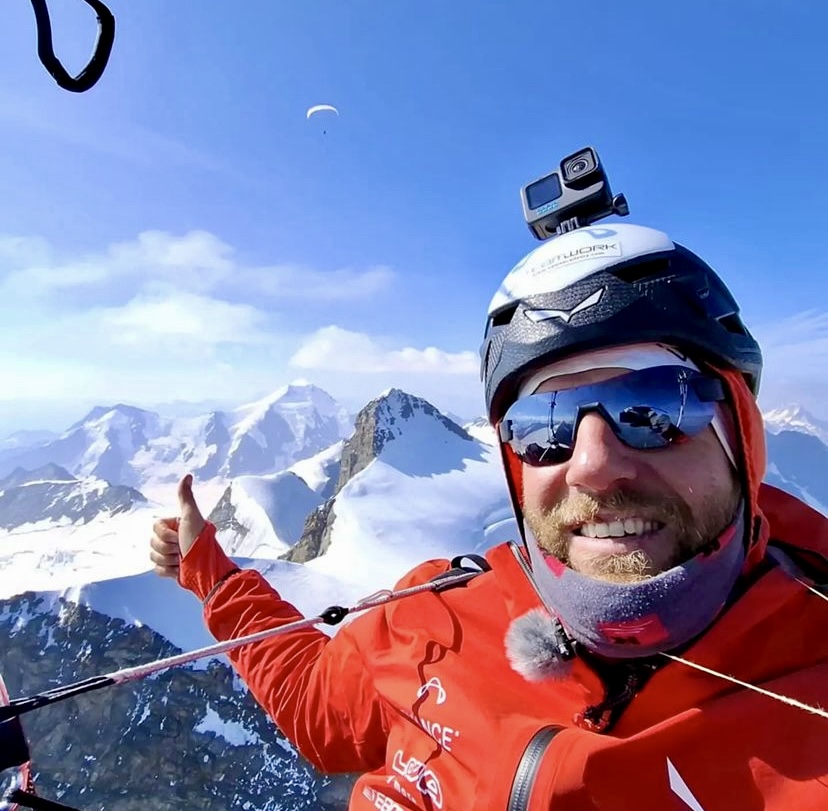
[607,286]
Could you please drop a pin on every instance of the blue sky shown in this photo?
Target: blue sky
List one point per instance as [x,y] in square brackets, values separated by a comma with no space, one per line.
[181,233]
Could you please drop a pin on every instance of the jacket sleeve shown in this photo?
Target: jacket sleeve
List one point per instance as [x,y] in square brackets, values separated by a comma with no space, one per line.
[316,688]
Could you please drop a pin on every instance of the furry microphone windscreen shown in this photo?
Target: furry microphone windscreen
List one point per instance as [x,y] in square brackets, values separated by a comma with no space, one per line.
[534,646]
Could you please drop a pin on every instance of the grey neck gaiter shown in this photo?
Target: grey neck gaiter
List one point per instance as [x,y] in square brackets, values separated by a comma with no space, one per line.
[625,621]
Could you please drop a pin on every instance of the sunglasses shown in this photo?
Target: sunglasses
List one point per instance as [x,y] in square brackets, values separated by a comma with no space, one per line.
[647,409]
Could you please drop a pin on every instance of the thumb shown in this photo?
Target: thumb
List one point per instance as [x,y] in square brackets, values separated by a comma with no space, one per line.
[192,521]
[186,499]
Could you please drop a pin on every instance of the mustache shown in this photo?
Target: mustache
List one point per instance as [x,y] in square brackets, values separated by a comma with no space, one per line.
[583,508]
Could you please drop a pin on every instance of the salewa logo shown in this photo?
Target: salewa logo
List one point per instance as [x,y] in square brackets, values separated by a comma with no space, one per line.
[566,315]
[433,684]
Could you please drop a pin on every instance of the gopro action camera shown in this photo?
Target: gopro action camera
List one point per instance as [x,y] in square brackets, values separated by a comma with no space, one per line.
[574,195]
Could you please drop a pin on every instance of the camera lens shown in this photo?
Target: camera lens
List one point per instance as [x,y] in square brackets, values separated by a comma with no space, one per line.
[579,164]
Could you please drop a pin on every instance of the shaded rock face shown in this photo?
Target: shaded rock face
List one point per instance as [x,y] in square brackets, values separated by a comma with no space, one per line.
[52,494]
[186,738]
[223,515]
[316,537]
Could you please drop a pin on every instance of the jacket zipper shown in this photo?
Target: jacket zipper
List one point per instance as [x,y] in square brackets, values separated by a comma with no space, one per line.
[527,769]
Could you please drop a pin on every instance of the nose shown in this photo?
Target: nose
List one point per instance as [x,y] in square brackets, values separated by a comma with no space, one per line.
[599,459]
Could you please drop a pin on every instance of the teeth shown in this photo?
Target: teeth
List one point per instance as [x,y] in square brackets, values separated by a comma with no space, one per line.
[617,529]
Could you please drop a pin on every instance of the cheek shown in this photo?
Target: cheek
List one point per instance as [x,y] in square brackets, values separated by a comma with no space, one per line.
[542,486]
[698,471]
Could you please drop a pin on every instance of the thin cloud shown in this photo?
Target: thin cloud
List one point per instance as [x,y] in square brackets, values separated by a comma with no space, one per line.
[19,252]
[334,348]
[185,316]
[197,261]
[301,282]
[796,344]
[795,351]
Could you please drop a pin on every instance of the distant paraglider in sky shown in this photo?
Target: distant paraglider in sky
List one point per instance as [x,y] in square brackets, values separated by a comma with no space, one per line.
[321,109]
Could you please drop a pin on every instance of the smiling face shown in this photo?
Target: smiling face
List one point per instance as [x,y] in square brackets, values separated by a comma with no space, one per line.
[620,514]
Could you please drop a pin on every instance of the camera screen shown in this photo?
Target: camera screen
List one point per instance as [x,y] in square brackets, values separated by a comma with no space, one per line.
[543,191]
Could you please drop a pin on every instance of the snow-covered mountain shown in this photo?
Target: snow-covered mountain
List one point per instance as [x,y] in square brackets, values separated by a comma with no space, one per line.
[417,486]
[263,516]
[795,418]
[26,439]
[321,471]
[52,496]
[347,515]
[131,446]
[186,738]
[798,455]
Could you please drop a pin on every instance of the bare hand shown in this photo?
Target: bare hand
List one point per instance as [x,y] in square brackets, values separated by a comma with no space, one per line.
[172,538]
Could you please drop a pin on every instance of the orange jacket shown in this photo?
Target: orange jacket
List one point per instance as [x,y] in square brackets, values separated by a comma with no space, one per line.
[419,694]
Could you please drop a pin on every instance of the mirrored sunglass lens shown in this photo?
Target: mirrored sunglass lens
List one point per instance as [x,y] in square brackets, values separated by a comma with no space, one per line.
[655,407]
[647,409]
[538,438]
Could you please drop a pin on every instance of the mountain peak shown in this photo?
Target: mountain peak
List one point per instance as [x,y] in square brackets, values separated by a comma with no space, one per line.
[385,419]
[787,412]
[295,421]
[52,494]
[794,417]
[299,391]
[394,407]
[49,472]
[98,412]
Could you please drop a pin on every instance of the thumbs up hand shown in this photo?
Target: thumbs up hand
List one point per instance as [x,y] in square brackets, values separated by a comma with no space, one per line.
[172,538]
[191,521]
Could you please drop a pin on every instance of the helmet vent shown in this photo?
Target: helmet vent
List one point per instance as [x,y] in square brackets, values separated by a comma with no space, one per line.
[636,271]
[504,317]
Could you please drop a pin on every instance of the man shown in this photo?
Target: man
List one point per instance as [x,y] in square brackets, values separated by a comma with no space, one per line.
[622,391]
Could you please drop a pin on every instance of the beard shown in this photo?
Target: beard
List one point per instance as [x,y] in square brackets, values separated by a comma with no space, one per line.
[686,534]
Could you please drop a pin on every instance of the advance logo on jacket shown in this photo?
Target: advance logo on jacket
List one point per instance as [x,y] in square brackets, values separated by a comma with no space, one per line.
[443,735]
